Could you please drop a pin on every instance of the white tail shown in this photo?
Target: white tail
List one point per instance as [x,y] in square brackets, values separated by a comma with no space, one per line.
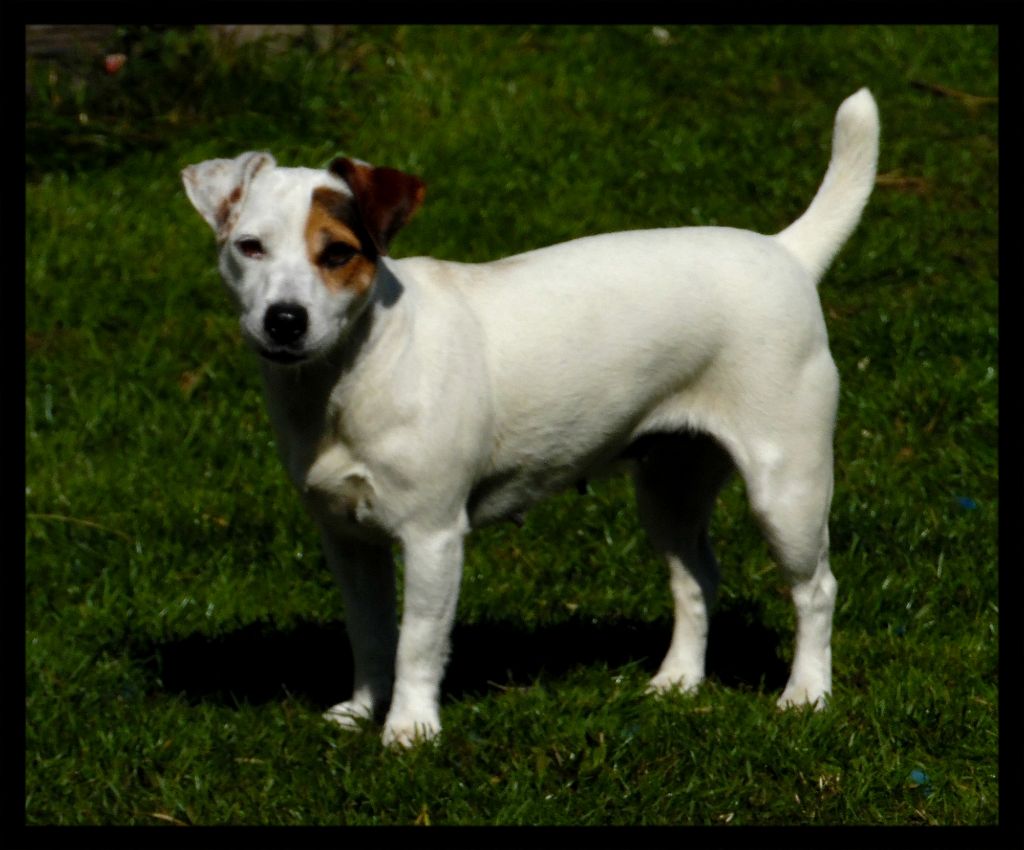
[816,237]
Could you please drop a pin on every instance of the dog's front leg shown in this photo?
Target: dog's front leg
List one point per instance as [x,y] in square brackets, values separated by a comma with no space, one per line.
[433,569]
[366,575]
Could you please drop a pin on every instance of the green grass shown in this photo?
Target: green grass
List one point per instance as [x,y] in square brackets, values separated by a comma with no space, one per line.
[182,631]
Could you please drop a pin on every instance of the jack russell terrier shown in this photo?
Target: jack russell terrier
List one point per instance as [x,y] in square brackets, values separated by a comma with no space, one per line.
[416,399]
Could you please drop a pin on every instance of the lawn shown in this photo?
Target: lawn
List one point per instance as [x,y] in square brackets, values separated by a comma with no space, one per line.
[182,631]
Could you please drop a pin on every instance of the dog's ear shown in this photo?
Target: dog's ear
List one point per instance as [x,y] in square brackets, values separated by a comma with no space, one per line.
[386,197]
[217,187]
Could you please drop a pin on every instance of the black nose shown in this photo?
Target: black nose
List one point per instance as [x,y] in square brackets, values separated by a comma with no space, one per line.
[285,322]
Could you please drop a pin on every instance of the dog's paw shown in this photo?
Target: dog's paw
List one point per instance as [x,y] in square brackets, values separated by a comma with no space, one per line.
[410,736]
[664,683]
[410,733]
[349,714]
[799,696]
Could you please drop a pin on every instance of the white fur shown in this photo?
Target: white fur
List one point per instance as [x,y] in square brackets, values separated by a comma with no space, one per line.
[454,394]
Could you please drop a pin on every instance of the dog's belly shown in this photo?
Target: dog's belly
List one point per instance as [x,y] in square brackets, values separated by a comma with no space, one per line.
[503,495]
[509,494]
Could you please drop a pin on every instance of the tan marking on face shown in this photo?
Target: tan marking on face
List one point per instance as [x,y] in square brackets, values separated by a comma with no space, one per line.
[327,224]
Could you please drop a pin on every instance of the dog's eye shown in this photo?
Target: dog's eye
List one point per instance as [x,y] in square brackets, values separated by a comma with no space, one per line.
[336,255]
[252,248]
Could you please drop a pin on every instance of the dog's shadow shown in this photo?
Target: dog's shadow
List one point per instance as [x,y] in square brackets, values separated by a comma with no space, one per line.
[261,662]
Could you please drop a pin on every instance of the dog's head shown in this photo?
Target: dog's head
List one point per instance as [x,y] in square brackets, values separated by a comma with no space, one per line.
[299,247]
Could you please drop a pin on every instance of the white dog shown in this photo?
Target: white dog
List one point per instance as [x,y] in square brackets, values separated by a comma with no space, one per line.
[416,399]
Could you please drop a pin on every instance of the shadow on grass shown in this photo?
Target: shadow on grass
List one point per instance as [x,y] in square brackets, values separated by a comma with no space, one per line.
[261,662]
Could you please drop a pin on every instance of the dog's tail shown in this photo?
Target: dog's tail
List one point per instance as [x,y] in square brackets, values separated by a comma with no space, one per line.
[816,237]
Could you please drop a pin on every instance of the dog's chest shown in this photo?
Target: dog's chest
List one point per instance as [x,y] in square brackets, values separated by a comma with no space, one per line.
[336,486]
[338,489]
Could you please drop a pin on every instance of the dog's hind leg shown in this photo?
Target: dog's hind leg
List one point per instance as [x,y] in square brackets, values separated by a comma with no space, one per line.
[678,477]
[366,575]
[788,472]
[791,503]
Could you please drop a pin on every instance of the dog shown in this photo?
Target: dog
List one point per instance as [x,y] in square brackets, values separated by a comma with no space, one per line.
[416,399]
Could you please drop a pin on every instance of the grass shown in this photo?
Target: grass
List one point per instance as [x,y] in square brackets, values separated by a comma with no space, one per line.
[182,631]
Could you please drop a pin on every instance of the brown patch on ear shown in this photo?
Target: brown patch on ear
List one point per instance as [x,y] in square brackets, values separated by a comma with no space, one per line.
[386,197]
[217,188]
[225,213]
[327,226]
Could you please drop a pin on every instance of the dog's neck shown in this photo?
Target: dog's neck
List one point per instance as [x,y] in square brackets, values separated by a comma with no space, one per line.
[312,396]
